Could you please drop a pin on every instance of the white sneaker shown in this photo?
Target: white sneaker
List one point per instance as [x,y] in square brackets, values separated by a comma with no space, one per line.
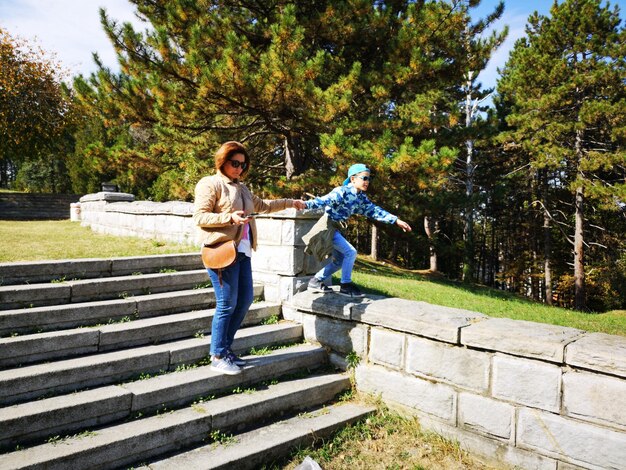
[225,366]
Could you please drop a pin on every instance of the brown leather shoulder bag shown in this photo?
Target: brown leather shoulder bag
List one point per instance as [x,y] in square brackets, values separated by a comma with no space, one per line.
[219,255]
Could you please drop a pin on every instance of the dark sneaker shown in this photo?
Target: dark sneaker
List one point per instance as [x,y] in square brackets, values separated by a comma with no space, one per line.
[235,359]
[315,285]
[224,365]
[350,290]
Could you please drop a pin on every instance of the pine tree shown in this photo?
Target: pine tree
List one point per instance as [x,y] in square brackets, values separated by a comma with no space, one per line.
[264,73]
[566,83]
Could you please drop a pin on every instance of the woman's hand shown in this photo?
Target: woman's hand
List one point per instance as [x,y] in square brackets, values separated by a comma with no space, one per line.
[239,218]
[299,204]
[403,225]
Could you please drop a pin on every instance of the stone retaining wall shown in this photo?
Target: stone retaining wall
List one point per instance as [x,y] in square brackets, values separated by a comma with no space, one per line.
[119,214]
[279,261]
[527,394]
[31,206]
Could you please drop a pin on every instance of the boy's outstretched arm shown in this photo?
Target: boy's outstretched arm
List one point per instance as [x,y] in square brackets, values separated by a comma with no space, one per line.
[373,211]
[330,199]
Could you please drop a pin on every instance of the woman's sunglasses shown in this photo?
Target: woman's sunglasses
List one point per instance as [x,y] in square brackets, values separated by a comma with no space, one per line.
[364,178]
[237,164]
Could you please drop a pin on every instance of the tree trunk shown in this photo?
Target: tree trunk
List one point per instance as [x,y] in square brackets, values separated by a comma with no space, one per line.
[579,240]
[295,155]
[431,227]
[394,250]
[468,228]
[374,246]
[534,274]
[547,242]
[579,267]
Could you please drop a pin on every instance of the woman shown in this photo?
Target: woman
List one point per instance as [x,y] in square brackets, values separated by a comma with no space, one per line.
[222,209]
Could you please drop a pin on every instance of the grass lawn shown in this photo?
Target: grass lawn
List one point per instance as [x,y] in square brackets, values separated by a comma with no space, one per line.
[34,240]
[385,279]
[62,239]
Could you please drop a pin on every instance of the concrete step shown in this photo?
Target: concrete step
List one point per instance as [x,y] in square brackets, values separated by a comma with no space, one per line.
[23,424]
[34,295]
[32,272]
[26,349]
[263,445]
[35,381]
[136,441]
[56,317]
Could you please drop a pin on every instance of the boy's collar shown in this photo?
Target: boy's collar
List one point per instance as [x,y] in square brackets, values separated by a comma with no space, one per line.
[352,188]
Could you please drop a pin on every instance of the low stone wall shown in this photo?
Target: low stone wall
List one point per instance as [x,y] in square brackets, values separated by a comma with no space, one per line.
[279,261]
[526,394]
[119,214]
[31,206]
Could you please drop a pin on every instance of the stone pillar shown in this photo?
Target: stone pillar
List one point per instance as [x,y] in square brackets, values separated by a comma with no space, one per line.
[279,261]
[75,212]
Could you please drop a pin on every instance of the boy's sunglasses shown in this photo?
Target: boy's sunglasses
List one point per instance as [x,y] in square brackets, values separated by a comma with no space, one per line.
[364,178]
[237,164]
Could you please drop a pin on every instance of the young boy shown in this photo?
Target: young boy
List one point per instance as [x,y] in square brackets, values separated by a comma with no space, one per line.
[325,238]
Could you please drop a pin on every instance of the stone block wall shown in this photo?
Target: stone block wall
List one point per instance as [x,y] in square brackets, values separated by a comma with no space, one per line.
[31,206]
[119,214]
[524,394]
[279,261]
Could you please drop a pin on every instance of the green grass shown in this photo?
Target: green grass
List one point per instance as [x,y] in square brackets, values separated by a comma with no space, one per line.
[49,240]
[384,279]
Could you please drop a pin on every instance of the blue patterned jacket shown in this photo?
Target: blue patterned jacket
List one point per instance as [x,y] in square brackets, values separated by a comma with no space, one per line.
[344,201]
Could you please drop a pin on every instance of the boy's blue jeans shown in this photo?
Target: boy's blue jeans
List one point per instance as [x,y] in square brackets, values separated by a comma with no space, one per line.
[344,256]
[233,299]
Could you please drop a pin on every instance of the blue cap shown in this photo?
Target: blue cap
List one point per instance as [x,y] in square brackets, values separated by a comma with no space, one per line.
[354,170]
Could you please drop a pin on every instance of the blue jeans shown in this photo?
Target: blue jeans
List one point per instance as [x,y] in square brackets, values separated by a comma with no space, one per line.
[233,297]
[344,256]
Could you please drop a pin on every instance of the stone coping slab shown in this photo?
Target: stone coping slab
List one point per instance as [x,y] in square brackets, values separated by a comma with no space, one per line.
[179,208]
[331,305]
[600,352]
[107,196]
[420,318]
[521,338]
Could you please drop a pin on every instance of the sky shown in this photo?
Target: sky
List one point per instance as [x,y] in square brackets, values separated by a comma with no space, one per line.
[71,30]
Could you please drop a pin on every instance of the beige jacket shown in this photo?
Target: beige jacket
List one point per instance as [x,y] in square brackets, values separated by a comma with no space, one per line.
[216,197]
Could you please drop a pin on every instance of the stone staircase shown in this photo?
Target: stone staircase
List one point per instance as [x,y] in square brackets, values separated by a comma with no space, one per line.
[103,364]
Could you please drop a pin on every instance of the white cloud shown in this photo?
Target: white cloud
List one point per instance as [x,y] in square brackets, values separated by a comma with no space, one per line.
[68,29]
[516,24]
